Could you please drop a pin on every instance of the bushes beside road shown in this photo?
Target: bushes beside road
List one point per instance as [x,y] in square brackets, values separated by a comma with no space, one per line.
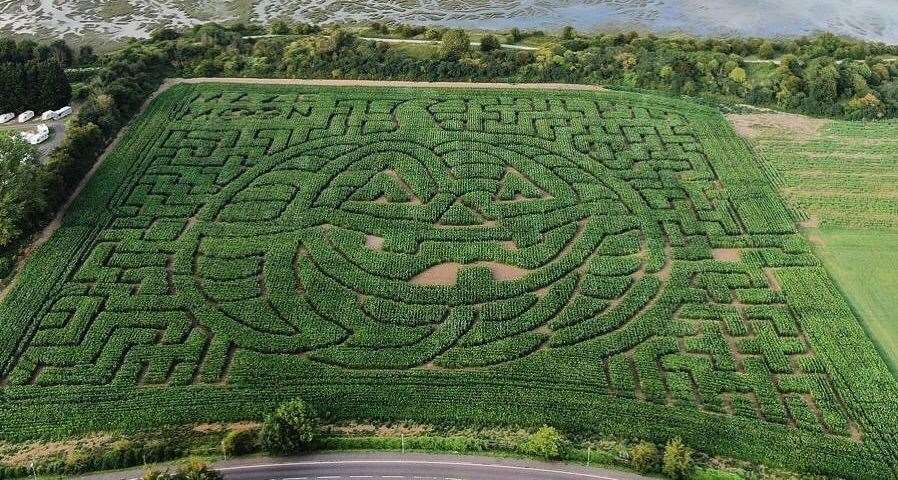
[301,430]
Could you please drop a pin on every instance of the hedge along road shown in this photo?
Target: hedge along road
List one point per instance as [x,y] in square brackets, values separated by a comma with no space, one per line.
[395,466]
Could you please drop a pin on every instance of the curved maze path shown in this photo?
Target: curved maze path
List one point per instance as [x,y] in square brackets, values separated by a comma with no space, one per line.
[433,244]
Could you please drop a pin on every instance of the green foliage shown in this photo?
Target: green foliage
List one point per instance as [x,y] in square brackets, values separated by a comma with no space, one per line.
[117,90]
[817,180]
[22,187]
[767,50]
[547,442]
[32,76]
[240,442]
[74,157]
[292,428]
[196,469]
[192,469]
[598,261]
[568,32]
[488,43]
[677,460]
[644,457]
[456,44]
[154,473]
[279,27]
[678,65]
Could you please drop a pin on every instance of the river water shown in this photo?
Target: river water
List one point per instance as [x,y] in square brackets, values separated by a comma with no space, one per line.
[868,19]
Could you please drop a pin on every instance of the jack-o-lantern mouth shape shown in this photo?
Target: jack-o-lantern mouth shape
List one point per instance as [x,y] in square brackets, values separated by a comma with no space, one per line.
[394,244]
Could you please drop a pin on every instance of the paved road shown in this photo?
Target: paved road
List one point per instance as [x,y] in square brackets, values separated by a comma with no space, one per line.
[413,41]
[437,42]
[396,466]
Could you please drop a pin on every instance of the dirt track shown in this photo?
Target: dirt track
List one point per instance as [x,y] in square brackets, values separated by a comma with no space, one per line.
[384,83]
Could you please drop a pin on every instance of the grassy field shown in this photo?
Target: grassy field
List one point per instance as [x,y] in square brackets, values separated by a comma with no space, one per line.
[838,174]
[864,264]
[841,179]
[609,263]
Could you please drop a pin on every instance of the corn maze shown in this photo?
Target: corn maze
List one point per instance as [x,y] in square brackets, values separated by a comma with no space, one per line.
[609,263]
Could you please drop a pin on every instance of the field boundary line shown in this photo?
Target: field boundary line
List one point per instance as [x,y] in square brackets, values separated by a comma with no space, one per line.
[326,82]
[416,462]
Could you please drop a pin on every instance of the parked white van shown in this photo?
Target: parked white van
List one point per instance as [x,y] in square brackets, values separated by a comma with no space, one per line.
[34,138]
[49,115]
[64,112]
[25,116]
[7,117]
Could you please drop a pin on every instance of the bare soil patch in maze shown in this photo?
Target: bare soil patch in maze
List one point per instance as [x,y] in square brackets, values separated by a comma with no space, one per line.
[754,125]
[447,273]
[812,222]
[726,254]
[374,242]
[772,280]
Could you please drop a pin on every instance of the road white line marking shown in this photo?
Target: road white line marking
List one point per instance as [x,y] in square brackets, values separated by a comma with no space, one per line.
[418,462]
[361,476]
[329,477]
[392,476]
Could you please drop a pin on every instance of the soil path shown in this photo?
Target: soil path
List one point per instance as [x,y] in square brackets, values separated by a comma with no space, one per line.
[411,41]
[48,231]
[384,83]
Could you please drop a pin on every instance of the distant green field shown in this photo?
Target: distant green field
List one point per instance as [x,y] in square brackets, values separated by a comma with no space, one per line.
[843,178]
[610,263]
[844,175]
[864,264]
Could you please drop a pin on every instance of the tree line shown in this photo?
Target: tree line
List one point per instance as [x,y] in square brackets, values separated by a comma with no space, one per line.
[824,75]
[32,76]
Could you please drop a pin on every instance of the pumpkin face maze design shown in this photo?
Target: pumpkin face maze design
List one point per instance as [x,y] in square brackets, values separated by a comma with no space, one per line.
[402,255]
[562,242]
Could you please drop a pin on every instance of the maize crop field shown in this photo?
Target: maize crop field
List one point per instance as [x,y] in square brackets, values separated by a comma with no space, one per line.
[843,175]
[609,263]
[840,179]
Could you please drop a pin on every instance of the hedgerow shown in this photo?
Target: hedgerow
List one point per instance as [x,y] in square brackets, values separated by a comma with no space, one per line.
[607,263]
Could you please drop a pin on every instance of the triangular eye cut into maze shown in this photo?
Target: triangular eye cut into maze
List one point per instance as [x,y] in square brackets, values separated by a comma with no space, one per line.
[610,263]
